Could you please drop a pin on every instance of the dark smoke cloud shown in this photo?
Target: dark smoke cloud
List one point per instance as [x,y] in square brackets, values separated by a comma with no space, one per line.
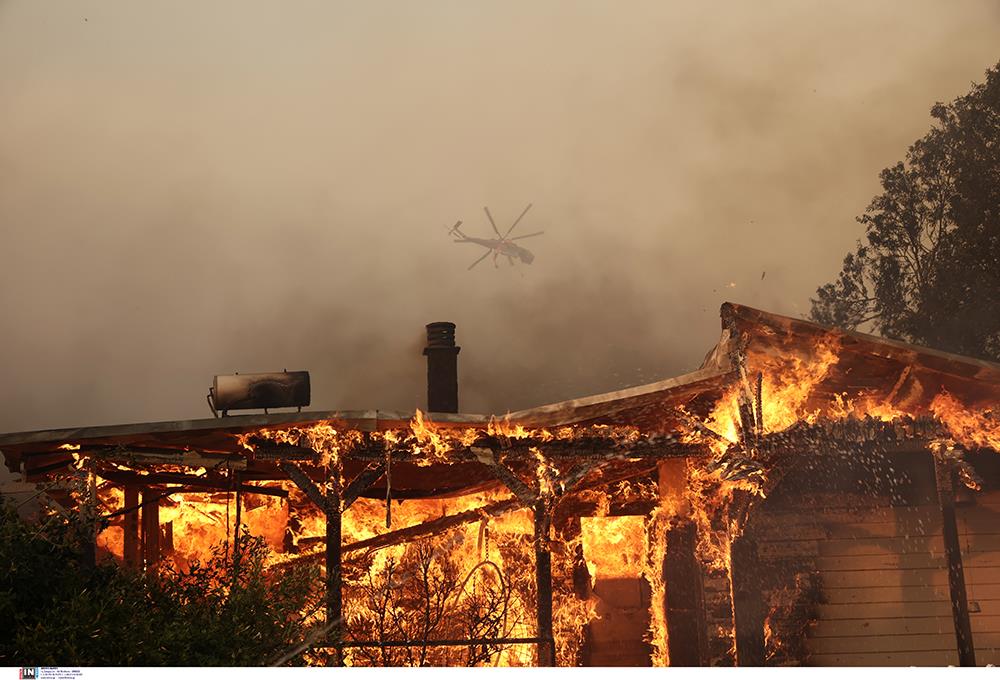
[191,189]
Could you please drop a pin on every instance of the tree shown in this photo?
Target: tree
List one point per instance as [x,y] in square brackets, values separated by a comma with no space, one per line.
[59,609]
[928,268]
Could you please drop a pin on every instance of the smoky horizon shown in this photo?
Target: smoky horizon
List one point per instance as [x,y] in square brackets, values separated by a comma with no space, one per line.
[193,190]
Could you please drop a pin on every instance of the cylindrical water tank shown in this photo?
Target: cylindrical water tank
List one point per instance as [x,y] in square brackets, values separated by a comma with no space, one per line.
[261,390]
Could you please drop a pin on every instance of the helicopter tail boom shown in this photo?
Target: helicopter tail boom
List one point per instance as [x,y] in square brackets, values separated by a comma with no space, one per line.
[456,230]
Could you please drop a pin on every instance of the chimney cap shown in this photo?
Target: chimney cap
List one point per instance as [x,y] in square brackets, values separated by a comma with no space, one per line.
[440,334]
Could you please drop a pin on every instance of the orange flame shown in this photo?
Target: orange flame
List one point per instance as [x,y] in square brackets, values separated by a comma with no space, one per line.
[968,427]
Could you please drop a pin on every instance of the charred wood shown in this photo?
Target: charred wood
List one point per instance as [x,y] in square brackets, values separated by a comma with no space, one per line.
[944,475]
[360,484]
[265,449]
[305,484]
[509,479]
[150,527]
[434,526]
[193,484]
[165,456]
[683,605]
[748,606]
[543,584]
[131,527]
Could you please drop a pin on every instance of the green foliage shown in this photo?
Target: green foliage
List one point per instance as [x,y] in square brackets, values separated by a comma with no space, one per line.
[59,610]
[928,269]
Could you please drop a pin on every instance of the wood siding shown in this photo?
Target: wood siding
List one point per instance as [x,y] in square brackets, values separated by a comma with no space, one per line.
[885,598]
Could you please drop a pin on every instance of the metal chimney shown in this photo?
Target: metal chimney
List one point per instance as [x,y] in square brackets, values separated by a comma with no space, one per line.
[442,368]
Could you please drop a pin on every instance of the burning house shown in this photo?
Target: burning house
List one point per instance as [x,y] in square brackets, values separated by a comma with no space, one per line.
[807,496]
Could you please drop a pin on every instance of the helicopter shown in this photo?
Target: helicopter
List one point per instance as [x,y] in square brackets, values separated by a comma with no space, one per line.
[503,245]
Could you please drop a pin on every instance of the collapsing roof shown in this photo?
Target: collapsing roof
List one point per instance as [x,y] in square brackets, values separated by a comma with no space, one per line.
[845,368]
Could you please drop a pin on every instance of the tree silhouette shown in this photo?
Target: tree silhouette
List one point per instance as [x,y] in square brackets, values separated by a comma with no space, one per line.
[928,268]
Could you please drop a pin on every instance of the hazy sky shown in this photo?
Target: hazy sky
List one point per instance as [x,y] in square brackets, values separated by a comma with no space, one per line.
[192,188]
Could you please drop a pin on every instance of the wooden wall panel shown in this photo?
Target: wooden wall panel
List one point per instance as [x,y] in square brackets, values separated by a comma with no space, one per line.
[979,534]
[884,581]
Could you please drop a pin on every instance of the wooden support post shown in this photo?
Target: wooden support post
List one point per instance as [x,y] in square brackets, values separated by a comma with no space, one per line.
[150,527]
[686,640]
[683,599]
[89,556]
[944,475]
[166,538]
[568,529]
[334,576]
[543,583]
[748,604]
[131,527]
[332,507]
[236,531]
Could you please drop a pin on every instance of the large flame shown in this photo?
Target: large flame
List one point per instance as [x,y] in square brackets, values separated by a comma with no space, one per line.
[492,560]
[614,546]
[787,383]
[971,428]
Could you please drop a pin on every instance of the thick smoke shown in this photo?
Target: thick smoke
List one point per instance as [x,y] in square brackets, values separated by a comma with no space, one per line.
[199,188]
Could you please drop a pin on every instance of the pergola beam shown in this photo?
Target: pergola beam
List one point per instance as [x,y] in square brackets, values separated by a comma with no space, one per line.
[434,526]
[305,484]
[371,474]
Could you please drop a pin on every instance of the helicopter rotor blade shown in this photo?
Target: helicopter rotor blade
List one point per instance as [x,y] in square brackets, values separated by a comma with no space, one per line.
[455,228]
[494,224]
[537,233]
[485,255]
[525,212]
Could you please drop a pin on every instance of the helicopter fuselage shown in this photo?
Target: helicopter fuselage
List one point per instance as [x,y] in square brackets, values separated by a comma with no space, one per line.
[501,247]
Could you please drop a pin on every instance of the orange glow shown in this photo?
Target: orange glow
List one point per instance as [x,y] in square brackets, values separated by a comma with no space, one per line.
[613,546]
[970,428]
[787,384]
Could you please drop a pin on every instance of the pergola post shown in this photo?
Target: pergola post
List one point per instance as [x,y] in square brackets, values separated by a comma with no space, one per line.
[239,521]
[748,604]
[944,475]
[683,604]
[333,504]
[543,583]
[683,597]
[131,527]
[150,527]
[568,529]
[334,579]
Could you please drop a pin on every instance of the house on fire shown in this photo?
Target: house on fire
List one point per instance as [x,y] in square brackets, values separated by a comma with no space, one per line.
[808,496]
